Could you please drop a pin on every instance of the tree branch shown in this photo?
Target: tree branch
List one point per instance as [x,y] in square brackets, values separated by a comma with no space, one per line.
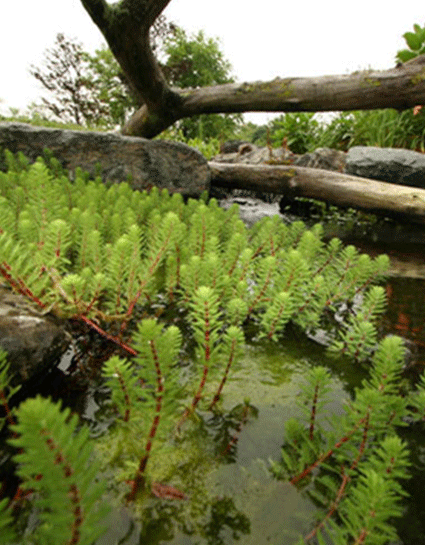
[126,24]
[401,87]
[292,181]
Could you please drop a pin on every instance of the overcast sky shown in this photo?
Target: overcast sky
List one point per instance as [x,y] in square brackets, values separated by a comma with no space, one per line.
[262,39]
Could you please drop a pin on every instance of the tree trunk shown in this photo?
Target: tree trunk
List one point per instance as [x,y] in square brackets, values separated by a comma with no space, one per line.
[403,202]
[126,24]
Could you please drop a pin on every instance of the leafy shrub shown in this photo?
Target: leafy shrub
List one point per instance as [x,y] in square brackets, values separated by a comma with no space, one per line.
[415,42]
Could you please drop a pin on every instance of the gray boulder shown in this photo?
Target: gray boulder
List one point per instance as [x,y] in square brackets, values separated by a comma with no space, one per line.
[250,154]
[324,158]
[33,342]
[396,166]
[144,163]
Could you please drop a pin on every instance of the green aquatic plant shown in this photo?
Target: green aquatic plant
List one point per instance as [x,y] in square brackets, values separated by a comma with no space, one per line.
[351,466]
[174,287]
[57,472]
[99,255]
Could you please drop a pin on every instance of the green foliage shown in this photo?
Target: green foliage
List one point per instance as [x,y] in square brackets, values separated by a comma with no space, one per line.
[206,145]
[197,61]
[90,90]
[113,259]
[415,42]
[96,252]
[6,390]
[299,129]
[107,82]
[381,128]
[56,464]
[79,85]
[358,336]
[418,399]
[304,133]
[354,464]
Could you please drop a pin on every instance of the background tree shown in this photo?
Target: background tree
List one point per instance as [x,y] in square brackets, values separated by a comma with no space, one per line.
[64,74]
[125,26]
[109,88]
[92,90]
[197,61]
[86,89]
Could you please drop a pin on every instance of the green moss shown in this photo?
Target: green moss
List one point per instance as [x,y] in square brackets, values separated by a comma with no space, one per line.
[372,82]
[418,78]
[282,87]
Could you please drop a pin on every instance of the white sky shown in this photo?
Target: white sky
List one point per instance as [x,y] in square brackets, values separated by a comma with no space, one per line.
[262,39]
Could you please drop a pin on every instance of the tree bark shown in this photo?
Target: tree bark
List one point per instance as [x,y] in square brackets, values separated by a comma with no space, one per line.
[401,87]
[403,202]
[126,24]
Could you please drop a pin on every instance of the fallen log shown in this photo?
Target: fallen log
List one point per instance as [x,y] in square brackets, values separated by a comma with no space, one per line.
[393,200]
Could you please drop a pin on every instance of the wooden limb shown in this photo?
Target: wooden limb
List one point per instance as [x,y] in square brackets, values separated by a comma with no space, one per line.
[407,203]
[126,25]
[401,87]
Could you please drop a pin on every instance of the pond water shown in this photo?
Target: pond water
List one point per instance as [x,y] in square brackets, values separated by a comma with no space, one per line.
[231,496]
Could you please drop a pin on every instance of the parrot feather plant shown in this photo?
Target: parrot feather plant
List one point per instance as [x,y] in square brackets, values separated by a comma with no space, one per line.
[173,288]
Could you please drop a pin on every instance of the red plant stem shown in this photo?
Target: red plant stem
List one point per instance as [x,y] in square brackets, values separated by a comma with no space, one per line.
[225,376]
[196,398]
[261,293]
[207,355]
[274,323]
[74,493]
[308,299]
[19,285]
[144,282]
[126,394]
[139,480]
[271,240]
[327,261]
[333,507]
[313,412]
[178,259]
[363,442]
[257,252]
[102,332]
[361,537]
[4,402]
[345,480]
[234,438]
[327,454]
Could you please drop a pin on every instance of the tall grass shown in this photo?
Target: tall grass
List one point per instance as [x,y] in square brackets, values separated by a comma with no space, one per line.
[382,128]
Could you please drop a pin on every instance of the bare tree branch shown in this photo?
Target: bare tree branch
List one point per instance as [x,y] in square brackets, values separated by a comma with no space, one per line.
[126,24]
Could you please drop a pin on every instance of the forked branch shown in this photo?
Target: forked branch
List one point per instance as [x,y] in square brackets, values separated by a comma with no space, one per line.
[126,24]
